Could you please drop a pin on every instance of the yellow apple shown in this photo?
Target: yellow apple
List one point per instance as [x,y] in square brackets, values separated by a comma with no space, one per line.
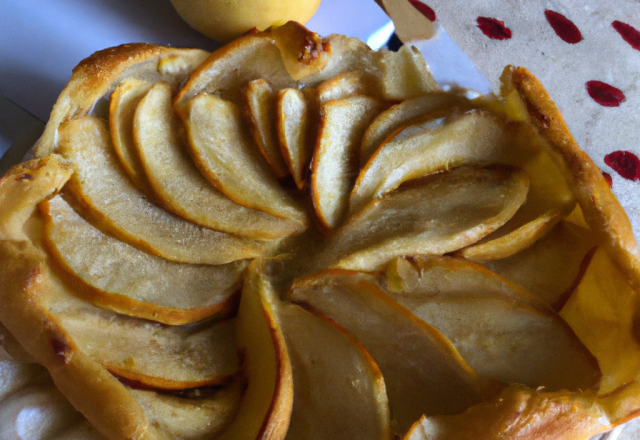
[224,20]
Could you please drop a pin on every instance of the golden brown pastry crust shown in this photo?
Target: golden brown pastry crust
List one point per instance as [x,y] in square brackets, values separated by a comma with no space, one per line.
[96,75]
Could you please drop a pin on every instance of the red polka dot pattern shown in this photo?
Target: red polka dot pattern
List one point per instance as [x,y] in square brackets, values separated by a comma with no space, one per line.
[424,9]
[563,27]
[493,28]
[624,163]
[605,94]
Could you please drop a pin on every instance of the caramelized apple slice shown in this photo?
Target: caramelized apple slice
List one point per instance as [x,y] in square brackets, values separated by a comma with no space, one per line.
[195,415]
[335,160]
[128,281]
[404,74]
[339,392]
[474,138]
[229,159]
[500,329]
[266,407]
[549,200]
[260,101]
[220,73]
[346,84]
[551,266]
[155,355]
[105,193]
[179,185]
[423,372]
[437,215]
[294,125]
[505,243]
[401,115]
[122,105]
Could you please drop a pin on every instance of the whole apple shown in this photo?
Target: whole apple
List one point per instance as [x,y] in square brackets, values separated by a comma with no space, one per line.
[224,20]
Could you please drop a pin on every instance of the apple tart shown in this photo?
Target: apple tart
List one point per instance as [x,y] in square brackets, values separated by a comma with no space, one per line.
[300,237]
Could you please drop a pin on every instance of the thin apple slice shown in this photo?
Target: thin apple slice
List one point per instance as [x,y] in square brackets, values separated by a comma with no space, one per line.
[549,200]
[294,120]
[551,266]
[220,74]
[474,138]
[346,84]
[196,415]
[506,242]
[503,332]
[105,193]
[260,101]
[403,114]
[339,391]
[177,182]
[122,105]
[335,160]
[266,407]
[223,152]
[422,370]
[439,214]
[404,74]
[155,355]
[128,281]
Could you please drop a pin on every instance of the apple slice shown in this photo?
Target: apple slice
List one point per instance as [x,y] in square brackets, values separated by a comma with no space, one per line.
[196,415]
[335,160]
[503,332]
[404,74]
[155,355]
[179,185]
[294,120]
[506,242]
[266,407]
[260,101]
[223,152]
[474,138]
[105,193]
[551,266]
[423,372]
[339,392]
[439,214]
[403,114]
[346,84]
[128,281]
[549,200]
[122,105]
[220,73]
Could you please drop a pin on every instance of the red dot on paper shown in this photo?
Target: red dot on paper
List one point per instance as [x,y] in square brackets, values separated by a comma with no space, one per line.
[493,28]
[608,178]
[563,27]
[424,9]
[604,94]
[630,34]
[624,163]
